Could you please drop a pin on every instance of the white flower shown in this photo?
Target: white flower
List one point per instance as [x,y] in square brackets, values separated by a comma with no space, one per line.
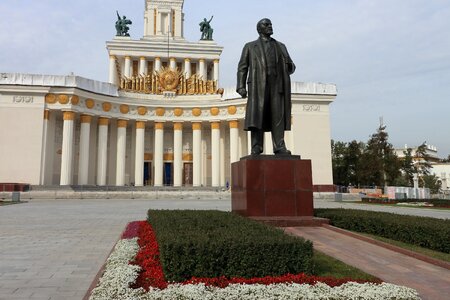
[119,275]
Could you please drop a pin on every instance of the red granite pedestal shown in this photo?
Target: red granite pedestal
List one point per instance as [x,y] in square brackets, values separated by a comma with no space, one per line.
[274,189]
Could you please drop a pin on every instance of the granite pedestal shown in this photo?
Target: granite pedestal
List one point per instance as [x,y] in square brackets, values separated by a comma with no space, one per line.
[274,189]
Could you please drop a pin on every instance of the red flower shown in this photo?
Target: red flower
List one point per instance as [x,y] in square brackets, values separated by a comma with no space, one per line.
[152,274]
[288,278]
[147,258]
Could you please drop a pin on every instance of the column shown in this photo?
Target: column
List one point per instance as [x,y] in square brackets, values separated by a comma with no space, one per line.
[44,147]
[216,70]
[112,69]
[139,162]
[187,67]
[67,148]
[157,63]
[159,152]
[142,66]
[215,154]
[177,154]
[196,153]
[127,67]
[173,63]
[234,141]
[102,149]
[121,152]
[83,161]
[222,168]
[202,68]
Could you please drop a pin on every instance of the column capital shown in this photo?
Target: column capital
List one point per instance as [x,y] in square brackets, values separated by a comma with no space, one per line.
[103,121]
[159,125]
[85,119]
[215,125]
[216,61]
[177,126]
[172,59]
[202,60]
[47,114]
[142,58]
[127,57]
[234,124]
[112,56]
[122,123]
[140,124]
[157,58]
[187,59]
[196,126]
[69,115]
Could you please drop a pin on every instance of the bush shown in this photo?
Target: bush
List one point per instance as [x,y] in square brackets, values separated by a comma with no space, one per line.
[435,202]
[429,233]
[213,244]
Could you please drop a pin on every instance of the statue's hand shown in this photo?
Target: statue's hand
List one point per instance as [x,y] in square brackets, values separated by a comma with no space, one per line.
[242,92]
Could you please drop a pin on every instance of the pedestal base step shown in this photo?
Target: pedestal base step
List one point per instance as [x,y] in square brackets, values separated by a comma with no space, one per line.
[292,221]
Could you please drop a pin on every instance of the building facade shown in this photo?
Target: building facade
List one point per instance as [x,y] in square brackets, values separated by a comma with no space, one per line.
[162,119]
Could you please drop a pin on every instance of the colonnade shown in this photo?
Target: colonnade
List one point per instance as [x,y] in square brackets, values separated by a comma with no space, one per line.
[142,67]
[159,128]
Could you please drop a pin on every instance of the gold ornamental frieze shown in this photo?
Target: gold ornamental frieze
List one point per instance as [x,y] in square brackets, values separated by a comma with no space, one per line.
[169,80]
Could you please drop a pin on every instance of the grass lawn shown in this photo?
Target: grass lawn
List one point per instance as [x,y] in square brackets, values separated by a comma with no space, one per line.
[325,265]
[431,253]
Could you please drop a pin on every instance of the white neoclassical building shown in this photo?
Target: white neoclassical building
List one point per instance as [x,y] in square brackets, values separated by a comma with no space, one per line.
[162,119]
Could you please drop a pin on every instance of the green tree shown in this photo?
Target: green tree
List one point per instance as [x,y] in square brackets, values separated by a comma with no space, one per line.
[422,157]
[379,164]
[408,168]
[432,182]
[338,150]
[352,160]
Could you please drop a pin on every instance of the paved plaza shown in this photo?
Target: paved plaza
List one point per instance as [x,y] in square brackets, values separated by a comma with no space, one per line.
[53,249]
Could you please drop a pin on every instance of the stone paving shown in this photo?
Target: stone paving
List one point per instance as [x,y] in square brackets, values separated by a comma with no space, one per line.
[420,212]
[432,282]
[53,249]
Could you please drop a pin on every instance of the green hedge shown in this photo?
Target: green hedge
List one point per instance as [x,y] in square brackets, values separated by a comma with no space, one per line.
[435,202]
[213,243]
[429,233]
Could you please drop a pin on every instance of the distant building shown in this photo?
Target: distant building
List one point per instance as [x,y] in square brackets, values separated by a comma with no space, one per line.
[162,119]
[431,152]
[442,170]
[438,168]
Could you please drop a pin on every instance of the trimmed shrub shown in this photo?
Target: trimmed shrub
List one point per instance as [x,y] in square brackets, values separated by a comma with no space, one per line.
[435,202]
[213,244]
[425,232]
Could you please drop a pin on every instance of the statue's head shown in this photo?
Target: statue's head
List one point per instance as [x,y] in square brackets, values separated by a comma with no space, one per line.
[264,27]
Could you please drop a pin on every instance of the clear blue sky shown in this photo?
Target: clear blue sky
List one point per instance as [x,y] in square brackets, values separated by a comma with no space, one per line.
[388,58]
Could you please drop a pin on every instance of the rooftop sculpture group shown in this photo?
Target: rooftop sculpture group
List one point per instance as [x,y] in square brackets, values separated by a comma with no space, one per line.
[206,29]
[122,25]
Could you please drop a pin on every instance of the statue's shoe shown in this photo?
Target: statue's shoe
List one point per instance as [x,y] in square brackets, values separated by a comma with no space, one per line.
[283,152]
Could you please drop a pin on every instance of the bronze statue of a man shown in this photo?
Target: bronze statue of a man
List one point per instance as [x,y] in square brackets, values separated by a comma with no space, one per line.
[267,65]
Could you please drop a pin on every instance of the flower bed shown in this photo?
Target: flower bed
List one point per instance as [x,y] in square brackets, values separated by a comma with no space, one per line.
[214,243]
[132,257]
